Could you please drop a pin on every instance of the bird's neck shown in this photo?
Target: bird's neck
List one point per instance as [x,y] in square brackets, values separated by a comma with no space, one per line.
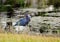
[27,18]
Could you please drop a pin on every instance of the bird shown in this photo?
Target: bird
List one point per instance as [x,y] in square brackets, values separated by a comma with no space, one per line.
[22,23]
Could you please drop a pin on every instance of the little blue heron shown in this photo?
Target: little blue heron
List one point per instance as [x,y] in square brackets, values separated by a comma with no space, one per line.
[21,24]
[23,21]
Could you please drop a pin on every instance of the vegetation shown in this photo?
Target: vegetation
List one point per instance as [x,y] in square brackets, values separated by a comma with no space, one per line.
[26,38]
[42,4]
[12,3]
[56,3]
[21,3]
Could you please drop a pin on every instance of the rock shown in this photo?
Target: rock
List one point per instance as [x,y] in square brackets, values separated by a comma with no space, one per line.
[48,22]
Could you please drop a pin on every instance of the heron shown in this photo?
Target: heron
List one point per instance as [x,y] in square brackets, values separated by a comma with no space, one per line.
[21,24]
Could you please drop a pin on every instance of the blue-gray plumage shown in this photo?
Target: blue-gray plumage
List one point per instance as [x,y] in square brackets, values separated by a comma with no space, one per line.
[23,21]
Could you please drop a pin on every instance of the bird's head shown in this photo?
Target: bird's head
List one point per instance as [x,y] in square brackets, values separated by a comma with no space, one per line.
[28,15]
